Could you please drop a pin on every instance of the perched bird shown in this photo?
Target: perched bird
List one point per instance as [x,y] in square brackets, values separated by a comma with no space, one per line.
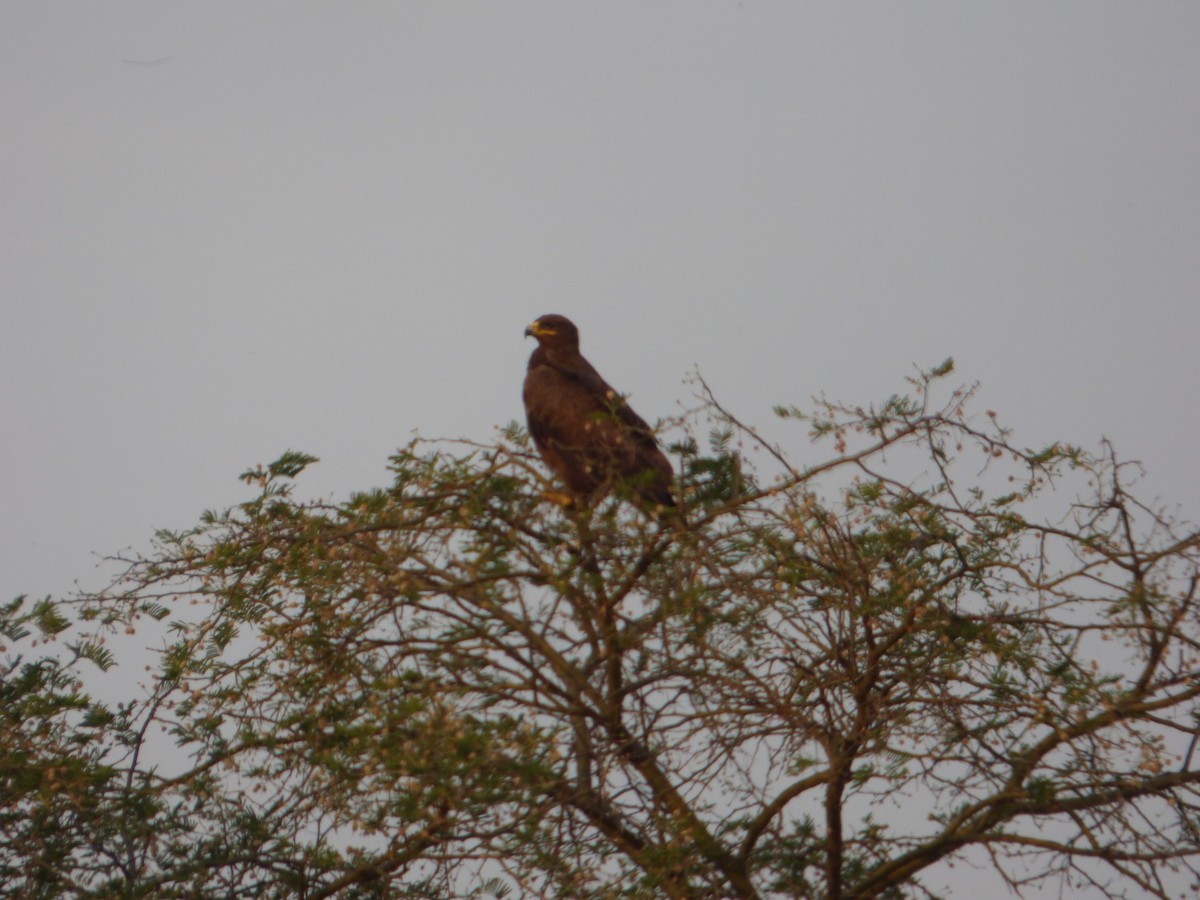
[584,430]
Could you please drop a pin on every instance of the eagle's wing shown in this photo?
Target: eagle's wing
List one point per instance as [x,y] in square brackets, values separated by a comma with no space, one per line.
[608,407]
[587,433]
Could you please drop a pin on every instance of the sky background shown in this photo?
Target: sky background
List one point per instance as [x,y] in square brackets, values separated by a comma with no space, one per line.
[233,229]
[230,230]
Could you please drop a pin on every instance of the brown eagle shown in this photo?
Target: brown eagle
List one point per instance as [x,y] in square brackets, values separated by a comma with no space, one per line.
[584,430]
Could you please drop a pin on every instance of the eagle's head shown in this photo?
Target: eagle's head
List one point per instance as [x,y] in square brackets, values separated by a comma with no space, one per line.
[554,331]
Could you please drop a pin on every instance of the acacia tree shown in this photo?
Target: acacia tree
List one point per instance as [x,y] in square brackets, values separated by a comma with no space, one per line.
[831,680]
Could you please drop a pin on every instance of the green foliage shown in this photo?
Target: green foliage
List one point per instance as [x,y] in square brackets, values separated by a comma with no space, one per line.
[831,680]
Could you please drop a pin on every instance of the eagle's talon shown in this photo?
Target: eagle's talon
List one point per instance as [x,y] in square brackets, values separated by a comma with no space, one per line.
[566,501]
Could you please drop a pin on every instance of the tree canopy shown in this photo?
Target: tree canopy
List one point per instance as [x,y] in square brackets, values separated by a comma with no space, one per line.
[898,643]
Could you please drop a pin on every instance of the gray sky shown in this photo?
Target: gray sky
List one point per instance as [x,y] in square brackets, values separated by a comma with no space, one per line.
[233,229]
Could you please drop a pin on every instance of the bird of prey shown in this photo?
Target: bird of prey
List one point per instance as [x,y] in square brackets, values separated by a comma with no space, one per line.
[584,430]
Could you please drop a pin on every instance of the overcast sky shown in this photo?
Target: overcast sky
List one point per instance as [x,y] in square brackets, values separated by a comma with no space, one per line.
[234,229]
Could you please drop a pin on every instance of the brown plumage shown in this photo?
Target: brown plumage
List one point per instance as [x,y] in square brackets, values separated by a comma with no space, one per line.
[584,430]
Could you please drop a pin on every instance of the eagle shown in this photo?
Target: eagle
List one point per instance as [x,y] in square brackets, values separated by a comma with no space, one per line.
[584,430]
